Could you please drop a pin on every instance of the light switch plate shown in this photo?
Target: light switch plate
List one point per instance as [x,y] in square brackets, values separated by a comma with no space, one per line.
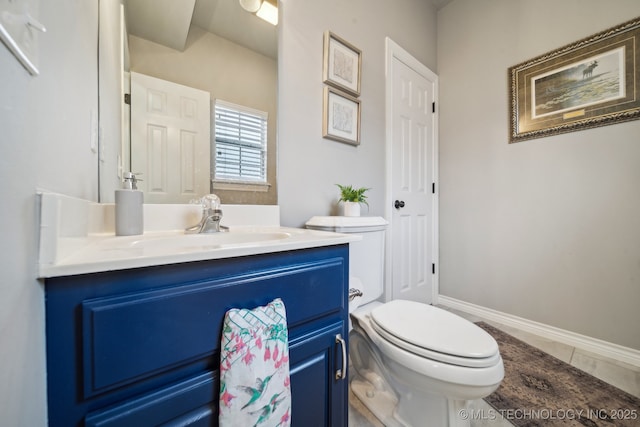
[19,31]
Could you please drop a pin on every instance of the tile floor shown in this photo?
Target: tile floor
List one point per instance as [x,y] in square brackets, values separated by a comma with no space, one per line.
[619,374]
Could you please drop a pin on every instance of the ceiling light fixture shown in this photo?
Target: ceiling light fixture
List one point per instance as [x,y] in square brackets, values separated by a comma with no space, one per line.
[251,5]
[264,9]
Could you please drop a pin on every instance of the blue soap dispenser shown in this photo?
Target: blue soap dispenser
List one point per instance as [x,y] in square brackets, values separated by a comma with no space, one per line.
[129,210]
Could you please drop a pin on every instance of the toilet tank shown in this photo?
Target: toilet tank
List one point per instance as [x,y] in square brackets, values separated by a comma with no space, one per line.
[366,256]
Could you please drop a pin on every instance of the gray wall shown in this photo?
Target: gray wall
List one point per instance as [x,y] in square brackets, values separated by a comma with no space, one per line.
[45,134]
[308,165]
[546,229]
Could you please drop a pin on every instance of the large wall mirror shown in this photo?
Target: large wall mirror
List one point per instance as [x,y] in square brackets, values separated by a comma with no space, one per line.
[214,47]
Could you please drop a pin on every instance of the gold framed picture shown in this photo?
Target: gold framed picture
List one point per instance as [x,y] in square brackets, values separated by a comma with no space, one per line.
[592,82]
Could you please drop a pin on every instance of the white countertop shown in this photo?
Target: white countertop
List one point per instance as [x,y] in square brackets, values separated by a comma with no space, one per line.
[99,253]
[78,236]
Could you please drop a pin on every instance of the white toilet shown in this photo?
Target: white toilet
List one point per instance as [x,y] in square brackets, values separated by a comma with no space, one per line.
[414,364]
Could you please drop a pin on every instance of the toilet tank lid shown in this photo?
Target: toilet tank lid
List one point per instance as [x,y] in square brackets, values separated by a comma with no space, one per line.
[347,224]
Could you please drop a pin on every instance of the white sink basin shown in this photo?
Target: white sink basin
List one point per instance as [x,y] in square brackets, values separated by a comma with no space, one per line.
[208,241]
[152,244]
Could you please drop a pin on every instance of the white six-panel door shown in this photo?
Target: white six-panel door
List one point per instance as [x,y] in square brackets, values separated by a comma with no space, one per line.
[170,139]
[413,227]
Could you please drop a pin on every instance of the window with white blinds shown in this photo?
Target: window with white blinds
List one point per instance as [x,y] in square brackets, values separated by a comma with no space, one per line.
[240,143]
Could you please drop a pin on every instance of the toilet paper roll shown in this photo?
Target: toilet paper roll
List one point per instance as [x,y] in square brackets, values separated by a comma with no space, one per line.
[355,289]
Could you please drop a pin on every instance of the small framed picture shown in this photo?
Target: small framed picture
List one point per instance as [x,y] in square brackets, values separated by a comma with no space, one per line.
[342,64]
[341,117]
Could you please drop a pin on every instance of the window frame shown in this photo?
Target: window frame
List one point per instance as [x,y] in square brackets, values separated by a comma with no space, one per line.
[238,182]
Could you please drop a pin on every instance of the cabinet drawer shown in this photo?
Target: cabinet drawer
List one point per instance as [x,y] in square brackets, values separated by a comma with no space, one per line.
[132,336]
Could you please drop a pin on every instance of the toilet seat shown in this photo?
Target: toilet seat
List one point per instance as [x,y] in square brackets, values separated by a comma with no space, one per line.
[417,328]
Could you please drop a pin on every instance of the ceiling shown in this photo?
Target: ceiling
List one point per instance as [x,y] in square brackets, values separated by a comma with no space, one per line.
[167,22]
[439,4]
[228,19]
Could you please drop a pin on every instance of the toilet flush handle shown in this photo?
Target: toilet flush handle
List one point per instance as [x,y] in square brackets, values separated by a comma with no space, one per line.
[341,374]
[354,293]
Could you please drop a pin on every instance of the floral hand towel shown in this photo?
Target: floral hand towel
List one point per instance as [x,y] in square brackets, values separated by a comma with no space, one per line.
[254,368]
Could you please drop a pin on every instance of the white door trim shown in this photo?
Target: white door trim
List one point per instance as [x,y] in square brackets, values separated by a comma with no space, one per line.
[393,50]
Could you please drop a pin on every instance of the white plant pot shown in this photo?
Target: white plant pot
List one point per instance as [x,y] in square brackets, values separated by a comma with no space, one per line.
[351,209]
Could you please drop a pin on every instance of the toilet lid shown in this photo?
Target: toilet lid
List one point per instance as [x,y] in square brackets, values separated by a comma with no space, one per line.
[420,328]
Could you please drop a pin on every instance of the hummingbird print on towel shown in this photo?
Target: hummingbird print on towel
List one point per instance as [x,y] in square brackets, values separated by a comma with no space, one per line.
[257,392]
[268,409]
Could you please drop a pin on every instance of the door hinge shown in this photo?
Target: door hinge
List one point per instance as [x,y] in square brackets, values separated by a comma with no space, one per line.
[127,98]
[433,188]
[433,269]
[433,107]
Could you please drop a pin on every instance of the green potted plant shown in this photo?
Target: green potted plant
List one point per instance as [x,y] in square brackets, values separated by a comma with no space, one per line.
[352,198]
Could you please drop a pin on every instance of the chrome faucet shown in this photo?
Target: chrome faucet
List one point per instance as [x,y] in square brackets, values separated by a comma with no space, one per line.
[211,216]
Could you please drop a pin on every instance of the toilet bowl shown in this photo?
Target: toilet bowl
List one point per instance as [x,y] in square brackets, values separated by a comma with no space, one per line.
[418,365]
[413,364]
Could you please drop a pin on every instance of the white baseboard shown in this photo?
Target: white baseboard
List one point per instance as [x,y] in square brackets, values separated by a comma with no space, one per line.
[593,345]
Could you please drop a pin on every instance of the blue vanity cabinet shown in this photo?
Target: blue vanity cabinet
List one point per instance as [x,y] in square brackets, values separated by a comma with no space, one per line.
[140,347]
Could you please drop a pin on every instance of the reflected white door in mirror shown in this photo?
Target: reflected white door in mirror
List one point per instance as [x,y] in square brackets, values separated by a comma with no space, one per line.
[170,131]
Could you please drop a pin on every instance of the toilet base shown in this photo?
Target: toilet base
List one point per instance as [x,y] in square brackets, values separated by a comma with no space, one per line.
[380,403]
[386,408]
[398,405]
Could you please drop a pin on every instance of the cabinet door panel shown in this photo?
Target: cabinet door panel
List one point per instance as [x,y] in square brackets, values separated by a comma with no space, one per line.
[206,416]
[310,391]
[318,398]
[195,398]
